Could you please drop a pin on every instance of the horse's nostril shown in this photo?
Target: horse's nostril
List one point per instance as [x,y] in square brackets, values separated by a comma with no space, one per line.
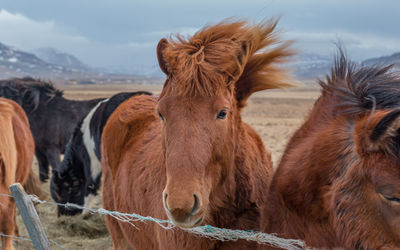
[195,205]
[165,201]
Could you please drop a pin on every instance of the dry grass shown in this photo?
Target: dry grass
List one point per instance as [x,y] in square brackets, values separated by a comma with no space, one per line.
[273,114]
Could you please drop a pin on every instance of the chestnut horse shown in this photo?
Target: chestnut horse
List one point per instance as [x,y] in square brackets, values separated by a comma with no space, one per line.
[16,155]
[187,155]
[338,183]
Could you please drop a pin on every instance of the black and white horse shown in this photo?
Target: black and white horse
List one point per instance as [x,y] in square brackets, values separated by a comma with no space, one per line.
[77,179]
[52,118]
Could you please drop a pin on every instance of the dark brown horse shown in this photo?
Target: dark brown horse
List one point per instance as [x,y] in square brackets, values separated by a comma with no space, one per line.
[16,156]
[338,183]
[187,155]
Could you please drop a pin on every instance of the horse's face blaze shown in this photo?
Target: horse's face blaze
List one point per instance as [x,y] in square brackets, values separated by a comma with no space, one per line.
[196,133]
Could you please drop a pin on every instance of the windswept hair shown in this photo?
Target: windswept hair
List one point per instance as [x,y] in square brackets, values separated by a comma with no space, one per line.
[227,55]
[361,89]
[37,84]
[26,91]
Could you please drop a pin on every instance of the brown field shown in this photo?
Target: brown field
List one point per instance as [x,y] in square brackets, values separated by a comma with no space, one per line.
[273,114]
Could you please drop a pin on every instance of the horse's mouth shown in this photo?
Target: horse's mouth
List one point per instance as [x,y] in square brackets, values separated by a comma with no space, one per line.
[188,223]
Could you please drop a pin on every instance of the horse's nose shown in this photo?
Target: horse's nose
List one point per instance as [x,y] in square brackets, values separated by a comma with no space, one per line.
[180,208]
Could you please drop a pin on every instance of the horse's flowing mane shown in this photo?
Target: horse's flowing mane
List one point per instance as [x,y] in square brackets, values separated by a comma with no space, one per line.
[33,84]
[217,57]
[29,90]
[361,89]
[41,86]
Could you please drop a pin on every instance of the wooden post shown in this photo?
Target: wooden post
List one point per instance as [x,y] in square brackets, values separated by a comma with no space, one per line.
[30,217]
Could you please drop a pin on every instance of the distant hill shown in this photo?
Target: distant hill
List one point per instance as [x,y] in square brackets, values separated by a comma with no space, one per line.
[384,60]
[56,57]
[60,67]
[19,61]
[310,65]
[314,65]
[15,62]
[53,64]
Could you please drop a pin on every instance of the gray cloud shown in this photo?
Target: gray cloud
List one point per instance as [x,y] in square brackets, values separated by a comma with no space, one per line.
[125,33]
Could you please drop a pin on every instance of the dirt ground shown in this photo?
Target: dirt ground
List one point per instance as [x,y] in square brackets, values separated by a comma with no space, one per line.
[273,114]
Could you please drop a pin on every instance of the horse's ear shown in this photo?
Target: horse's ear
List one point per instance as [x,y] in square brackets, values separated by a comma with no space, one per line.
[383,129]
[160,55]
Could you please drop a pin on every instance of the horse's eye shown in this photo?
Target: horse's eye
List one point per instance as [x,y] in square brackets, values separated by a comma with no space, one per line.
[392,199]
[160,115]
[222,114]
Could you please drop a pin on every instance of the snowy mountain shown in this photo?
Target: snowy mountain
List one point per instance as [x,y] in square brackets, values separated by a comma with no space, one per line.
[384,60]
[63,68]
[57,57]
[18,63]
[310,65]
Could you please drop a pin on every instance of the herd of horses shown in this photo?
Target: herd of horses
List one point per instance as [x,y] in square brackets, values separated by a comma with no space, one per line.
[186,155]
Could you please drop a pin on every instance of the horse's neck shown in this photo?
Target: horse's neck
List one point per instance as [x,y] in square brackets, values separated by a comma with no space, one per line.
[238,193]
[319,157]
[319,116]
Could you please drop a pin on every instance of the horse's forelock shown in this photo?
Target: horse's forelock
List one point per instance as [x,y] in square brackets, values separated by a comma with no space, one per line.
[217,57]
[206,63]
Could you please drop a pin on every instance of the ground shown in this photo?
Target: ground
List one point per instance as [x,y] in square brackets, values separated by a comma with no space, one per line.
[273,114]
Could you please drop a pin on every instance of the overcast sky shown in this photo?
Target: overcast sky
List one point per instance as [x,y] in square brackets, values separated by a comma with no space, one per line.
[126,32]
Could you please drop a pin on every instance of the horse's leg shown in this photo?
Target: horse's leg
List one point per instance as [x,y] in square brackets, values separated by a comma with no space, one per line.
[43,165]
[7,243]
[3,242]
[117,236]
[53,154]
[16,229]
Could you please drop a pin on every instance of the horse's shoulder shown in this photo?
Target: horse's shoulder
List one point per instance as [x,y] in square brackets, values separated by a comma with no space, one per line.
[127,124]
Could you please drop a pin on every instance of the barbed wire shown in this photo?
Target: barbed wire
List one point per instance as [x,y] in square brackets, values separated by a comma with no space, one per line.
[24,238]
[15,237]
[28,239]
[6,195]
[206,231]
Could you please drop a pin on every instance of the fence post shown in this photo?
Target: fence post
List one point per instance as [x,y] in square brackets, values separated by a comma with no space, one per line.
[30,217]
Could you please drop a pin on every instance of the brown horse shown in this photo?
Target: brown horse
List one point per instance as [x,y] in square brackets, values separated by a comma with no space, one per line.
[187,155]
[338,183]
[16,154]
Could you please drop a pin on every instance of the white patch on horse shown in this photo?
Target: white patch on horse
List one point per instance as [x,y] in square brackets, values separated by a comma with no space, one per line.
[89,202]
[95,164]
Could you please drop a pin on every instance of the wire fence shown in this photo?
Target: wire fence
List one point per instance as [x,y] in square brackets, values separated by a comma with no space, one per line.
[206,231]
[28,239]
